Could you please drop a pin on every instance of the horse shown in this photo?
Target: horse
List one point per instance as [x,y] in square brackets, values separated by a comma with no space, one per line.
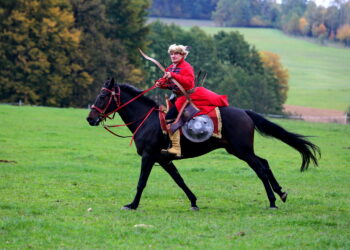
[140,115]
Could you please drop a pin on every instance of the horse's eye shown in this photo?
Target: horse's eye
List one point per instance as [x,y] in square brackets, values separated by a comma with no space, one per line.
[100,100]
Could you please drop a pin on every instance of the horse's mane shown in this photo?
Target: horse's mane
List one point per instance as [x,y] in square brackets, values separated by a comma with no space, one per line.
[135,91]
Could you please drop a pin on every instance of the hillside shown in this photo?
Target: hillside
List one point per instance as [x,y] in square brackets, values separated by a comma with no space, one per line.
[319,75]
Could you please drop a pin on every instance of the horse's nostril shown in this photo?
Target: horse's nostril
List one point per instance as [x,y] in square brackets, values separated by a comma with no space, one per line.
[91,121]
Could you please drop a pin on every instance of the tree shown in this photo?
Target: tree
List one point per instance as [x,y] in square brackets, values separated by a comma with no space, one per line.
[57,52]
[234,50]
[40,58]
[319,31]
[234,67]
[292,25]
[296,7]
[343,34]
[303,26]
[105,57]
[224,13]
[331,19]
[292,11]
[243,72]
[272,63]
[233,13]
[196,9]
[127,20]
[257,13]
[345,13]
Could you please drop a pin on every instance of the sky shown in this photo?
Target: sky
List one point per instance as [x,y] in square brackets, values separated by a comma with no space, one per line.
[325,3]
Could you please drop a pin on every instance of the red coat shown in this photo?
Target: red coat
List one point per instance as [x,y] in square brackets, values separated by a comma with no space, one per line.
[183,73]
[203,98]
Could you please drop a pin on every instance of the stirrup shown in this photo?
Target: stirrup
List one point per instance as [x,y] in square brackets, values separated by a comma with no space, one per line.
[167,153]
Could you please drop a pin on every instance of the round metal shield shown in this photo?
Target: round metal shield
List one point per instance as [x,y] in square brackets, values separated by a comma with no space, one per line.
[198,129]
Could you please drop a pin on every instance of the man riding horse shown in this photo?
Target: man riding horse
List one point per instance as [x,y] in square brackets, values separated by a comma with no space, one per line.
[202,98]
[144,119]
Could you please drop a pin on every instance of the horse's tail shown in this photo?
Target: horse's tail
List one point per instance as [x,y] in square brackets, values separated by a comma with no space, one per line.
[309,151]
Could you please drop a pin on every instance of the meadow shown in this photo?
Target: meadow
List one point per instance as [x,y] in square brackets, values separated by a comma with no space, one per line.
[319,75]
[62,184]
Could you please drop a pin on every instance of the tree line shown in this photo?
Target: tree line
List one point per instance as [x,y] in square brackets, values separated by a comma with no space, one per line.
[58,53]
[252,80]
[195,9]
[297,17]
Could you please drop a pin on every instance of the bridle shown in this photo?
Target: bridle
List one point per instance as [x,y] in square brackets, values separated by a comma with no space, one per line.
[115,95]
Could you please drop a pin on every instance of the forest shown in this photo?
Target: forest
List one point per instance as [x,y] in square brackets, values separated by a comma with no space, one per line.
[59,52]
[296,17]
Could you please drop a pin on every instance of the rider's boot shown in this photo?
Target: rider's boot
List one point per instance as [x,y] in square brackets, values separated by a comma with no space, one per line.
[175,144]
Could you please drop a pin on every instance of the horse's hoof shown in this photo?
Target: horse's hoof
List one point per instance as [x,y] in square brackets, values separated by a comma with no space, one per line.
[284,196]
[273,207]
[195,208]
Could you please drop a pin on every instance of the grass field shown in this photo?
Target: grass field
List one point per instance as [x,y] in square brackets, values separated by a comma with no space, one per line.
[60,167]
[319,75]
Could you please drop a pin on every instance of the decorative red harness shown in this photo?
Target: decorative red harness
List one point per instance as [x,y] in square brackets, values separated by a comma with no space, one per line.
[116,97]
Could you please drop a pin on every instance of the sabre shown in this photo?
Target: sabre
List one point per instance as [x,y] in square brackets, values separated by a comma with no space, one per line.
[163,69]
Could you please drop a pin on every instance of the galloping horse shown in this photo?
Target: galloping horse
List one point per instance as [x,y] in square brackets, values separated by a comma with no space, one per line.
[140,114]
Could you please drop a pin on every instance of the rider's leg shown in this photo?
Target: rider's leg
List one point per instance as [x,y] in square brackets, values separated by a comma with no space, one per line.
[171,115]
[174,137]
[175,143]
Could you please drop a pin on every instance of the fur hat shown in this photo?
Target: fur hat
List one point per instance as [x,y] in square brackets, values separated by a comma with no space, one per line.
[183,50]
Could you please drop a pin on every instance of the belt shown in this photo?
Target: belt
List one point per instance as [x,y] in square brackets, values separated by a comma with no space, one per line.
[179,93]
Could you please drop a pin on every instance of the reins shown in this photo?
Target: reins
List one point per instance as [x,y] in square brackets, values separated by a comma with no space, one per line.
[122,125]
[116,97]
[131,100]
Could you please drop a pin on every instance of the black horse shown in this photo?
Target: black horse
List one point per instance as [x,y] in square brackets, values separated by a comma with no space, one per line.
[238,127]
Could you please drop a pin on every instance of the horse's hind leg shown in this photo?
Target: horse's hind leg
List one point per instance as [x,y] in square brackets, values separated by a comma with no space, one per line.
[255,163]
[274,184]
[172,171]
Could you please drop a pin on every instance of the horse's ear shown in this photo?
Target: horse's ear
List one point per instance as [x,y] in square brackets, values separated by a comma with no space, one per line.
[111,83]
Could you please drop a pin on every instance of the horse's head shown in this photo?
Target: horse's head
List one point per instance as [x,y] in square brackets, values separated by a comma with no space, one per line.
[106,102]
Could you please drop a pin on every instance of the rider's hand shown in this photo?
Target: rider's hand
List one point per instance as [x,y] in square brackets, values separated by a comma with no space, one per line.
[167,75]
[161,83]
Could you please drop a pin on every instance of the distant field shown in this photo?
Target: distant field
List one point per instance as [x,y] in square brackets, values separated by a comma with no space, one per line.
[319,75]
[62,184]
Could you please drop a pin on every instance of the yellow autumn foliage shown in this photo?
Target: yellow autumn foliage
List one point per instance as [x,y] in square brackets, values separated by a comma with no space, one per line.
[40,44]
[303,26]
[343,34]
[49,22]
[272,62]
[319,30]
[63,15]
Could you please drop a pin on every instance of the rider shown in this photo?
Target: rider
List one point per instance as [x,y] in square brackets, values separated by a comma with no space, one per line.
[183,73]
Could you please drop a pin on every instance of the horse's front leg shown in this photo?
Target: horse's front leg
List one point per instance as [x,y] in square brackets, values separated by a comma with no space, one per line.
[170,168]
[146,167]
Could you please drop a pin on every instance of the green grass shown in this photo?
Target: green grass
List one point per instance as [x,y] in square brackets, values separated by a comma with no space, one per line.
[64,167]
[319,75]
